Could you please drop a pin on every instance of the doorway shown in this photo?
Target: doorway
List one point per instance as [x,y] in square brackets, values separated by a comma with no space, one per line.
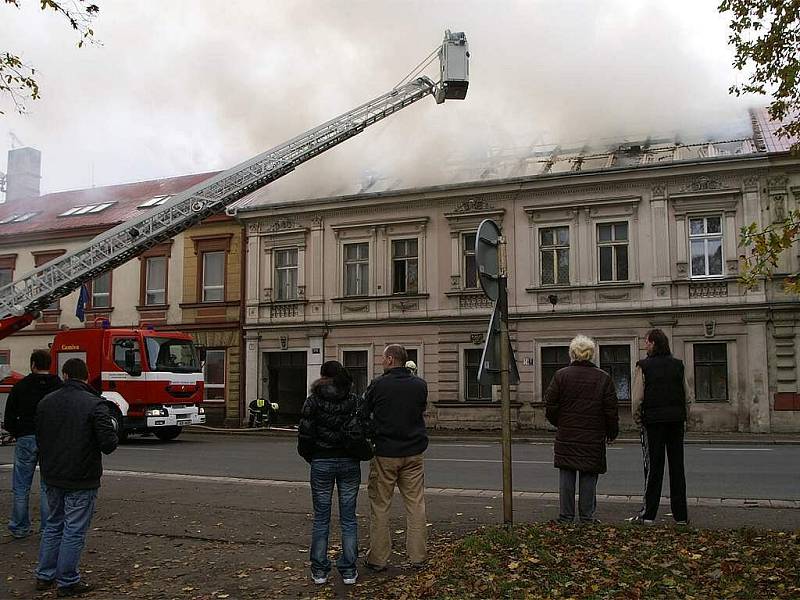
[284,382]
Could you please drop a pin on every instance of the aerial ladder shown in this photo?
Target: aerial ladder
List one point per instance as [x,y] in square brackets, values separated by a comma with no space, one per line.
[21,300]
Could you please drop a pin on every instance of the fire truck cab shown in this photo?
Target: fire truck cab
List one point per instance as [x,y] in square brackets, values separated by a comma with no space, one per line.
[152,379]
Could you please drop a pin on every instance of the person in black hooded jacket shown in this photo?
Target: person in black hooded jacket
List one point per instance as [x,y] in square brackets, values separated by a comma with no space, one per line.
[20,421]
[321,442]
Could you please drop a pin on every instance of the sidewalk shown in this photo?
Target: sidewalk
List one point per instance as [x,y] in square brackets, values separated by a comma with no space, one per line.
[540,436]
[194,537]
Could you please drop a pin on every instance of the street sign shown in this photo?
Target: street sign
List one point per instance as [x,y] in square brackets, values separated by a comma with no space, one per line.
[489,370]
[486,257]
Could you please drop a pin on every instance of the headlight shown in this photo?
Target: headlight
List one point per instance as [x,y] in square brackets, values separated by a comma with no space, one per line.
[156,412]
[201,411]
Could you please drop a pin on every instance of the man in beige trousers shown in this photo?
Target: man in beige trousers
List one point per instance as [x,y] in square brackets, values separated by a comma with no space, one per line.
[396,402]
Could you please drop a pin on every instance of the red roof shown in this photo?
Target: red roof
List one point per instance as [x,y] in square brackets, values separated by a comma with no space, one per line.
[126,198]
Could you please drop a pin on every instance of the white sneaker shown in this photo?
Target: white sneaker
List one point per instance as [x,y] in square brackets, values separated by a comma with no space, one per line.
[350,580]
[319,579]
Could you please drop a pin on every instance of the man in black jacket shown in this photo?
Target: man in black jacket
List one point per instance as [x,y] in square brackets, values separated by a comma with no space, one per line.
[20,421]
[659,405]
[396,404]
[73,427]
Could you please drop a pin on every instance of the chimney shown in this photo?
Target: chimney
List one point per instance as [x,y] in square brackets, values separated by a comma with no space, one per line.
[24,172]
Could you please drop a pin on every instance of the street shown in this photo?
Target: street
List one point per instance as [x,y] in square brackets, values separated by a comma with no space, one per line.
[766,471]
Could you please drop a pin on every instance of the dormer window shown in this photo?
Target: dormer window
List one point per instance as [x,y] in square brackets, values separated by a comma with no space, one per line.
[87,209]
[18,218]
[155,201]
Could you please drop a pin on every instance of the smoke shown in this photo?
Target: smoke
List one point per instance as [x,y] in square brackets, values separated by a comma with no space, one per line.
[195,85]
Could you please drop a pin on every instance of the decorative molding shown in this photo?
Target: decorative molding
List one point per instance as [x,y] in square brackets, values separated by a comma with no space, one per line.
[283,311]
[355,307]
[732,266]
[779,182]
[683,269]
[709,328]
[284,225]
[455,282]
[703,184]
[473,301]
[563,298]
[473,205]
[659,191]
[708,289]
[750,183]
[403,306]
[476,338]
[617,296]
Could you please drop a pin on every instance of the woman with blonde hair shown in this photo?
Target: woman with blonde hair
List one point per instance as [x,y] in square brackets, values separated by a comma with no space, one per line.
[581,403]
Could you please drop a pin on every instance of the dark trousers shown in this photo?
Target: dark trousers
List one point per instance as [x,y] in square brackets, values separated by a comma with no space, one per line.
[659,439]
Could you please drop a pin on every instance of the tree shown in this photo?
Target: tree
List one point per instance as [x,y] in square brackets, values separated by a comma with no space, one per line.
[765,35]
[18,79]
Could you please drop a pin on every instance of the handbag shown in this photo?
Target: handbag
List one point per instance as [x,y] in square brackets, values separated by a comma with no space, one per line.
[355,435]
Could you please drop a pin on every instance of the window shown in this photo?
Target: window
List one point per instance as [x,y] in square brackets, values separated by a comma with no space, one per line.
[17,218]
[356,362]
[155,201]
[286,274]
[554,249]
[356,269]
[553,359]
[213,283]
[470,266]
[404,267]
[711,372]
[155,282]
[5,357]
[128,354]
[7,264]
[612,248]
[616,361]
[474,391]
[100,291]
[172,355]
[42,258]
[705,240]
[83,210]
[215,375]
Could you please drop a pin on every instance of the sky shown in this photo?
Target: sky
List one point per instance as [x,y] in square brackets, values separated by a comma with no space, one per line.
[186,86]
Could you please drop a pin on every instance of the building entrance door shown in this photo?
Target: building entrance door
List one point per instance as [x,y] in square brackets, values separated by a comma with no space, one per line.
[284,382]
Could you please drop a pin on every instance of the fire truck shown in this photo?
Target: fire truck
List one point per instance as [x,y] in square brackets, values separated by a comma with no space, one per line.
[152,378]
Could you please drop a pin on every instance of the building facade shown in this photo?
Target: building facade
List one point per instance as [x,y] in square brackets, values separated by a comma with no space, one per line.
[608,245]
[191,283]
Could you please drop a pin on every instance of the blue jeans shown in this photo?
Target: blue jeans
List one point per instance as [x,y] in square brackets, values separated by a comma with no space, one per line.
[346,473]
[26,455]
[65,534]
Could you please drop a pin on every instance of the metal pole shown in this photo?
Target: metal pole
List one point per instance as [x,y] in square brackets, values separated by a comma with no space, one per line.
[505,392]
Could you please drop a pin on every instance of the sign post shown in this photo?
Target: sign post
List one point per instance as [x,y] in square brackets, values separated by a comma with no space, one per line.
[497,362]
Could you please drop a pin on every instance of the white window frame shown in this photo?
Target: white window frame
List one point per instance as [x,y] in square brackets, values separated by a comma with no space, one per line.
[706,237]
[554,248]
[279,270]
[205,286]
[366,292]
[96,294]
[147,288]
[613,244]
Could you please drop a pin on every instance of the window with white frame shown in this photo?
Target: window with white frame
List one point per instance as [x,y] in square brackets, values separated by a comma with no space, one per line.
[405,266]
[705,244]
[155,290]
[612,251]
[356,269]
[101,291]
[616,361]
[214,375]
[470,275]
[286,274]
[213,276]
[554,255]
[474,391]
[355,361]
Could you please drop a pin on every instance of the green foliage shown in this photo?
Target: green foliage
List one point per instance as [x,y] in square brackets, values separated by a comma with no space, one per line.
[603,562]
[764,249]
[17,79]
[766,36]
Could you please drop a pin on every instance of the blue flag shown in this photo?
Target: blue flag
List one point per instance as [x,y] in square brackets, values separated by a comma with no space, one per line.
[83,298]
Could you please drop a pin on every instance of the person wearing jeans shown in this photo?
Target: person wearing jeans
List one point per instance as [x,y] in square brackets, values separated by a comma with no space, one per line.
[73,428]
[20,421]
[581,403]
[321,442]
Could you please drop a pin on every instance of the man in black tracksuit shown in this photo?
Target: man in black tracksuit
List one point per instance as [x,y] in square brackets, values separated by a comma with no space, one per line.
[659,405]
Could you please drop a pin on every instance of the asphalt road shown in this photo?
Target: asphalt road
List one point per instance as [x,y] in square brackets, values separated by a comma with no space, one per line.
[713,471]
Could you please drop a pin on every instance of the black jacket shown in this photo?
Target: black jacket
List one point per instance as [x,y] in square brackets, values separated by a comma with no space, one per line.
[20,417]
[664,396]
[582,404]
[395,403]
[325,412]
[73,427]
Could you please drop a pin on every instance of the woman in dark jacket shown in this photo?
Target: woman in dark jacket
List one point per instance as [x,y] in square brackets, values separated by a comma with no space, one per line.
[582,404]
[321,443]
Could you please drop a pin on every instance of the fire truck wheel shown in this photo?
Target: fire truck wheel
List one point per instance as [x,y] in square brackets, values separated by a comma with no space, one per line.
[119,426]
[165,434]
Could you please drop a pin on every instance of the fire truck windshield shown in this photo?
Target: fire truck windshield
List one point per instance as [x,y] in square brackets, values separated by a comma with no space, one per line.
[168,354]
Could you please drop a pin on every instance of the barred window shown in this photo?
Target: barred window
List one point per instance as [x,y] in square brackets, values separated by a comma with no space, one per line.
[554,252]
[475,392]
[616,361]
[553,359]
[711,372]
